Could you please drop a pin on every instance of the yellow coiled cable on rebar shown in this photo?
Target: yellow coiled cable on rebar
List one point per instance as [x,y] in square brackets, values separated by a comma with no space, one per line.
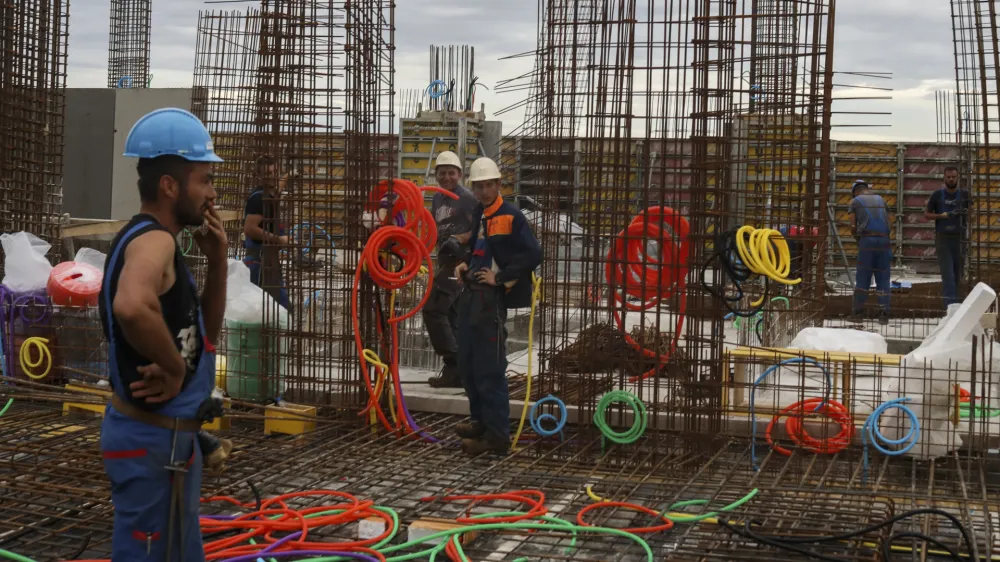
[764,252]
[536,294]
[44,356]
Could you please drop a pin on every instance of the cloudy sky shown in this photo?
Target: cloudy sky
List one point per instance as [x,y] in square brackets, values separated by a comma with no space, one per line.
[911,39]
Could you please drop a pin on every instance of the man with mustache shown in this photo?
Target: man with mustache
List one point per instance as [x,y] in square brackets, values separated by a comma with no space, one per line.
[161,337]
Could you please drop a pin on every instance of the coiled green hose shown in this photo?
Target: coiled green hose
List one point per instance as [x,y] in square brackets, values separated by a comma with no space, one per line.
[638,423]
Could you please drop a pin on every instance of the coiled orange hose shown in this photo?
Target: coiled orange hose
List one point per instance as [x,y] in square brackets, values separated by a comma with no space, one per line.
[631,272]
[832,409]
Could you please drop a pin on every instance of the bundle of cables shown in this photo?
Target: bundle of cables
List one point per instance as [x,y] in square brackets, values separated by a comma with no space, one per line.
[635,275]
[391,259]
[742,253]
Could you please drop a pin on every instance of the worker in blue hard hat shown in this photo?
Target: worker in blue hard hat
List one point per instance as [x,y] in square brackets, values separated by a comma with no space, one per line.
[161,337]
[870,224]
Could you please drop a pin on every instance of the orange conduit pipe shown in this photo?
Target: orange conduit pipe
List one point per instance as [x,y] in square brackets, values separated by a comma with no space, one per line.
[533,498]
[632,273]
[833,410]
[412,244]
[275,517]
[665,526]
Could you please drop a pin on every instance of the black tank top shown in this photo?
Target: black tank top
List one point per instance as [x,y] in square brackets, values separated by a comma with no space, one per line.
[180,311]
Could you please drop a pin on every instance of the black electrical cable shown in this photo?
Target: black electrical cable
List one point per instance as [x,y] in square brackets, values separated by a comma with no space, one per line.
[790,543]
[78,553]
[256,494]
[733,271]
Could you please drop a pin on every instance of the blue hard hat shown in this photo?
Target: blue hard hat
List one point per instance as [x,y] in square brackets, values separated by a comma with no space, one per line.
[171,131]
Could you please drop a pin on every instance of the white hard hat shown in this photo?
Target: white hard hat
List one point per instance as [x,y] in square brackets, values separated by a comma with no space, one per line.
[483,169]
[448,158]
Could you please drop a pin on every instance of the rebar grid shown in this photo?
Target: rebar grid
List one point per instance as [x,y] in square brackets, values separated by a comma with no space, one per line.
[128,45]
[55,493]
[33,44]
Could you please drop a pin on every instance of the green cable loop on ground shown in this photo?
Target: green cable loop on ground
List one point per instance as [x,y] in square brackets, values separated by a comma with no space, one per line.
[458,545]
[7,407]
[638,424]
[10,555]
[708,515]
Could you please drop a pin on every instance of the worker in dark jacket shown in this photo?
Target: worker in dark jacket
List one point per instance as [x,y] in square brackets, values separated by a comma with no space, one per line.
[870,225]
[496,278]
[454,225]
[948,207]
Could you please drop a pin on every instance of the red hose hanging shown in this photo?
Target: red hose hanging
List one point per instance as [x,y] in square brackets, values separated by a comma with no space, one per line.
[412,244]
[631,272]
[832,409]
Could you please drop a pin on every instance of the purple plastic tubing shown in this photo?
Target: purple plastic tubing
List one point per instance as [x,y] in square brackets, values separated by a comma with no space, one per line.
[300,553]
[19,305]
[290,537]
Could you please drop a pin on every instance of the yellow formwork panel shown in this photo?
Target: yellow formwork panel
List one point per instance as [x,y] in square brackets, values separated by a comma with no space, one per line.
[983,236]
[424,147]
[989,153]
[880,149]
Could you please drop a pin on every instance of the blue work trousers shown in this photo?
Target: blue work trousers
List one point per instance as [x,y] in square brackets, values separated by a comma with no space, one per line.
[482,357]
[874,259]
[135,458]
[272,281]
[951,260]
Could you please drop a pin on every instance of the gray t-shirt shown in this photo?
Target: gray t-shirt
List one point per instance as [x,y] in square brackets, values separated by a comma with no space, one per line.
[872,214]
[453,216]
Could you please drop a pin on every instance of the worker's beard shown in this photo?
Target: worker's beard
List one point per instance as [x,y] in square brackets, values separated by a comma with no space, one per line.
[951,185]
[186,212]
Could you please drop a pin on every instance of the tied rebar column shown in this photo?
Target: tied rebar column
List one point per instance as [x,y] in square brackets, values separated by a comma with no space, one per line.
[128,45]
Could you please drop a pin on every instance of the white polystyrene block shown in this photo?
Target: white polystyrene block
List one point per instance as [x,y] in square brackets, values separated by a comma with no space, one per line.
[839,339]
[963,322]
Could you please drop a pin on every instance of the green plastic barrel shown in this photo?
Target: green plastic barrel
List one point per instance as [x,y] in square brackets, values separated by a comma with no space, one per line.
[255,362]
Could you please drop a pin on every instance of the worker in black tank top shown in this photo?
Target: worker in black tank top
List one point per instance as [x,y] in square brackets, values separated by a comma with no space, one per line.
[161,338]
[180,312]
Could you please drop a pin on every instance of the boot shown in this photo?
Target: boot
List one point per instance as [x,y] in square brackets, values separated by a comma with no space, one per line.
[449,378]
[214,450]
[883,318]
[470,430]
[485,444]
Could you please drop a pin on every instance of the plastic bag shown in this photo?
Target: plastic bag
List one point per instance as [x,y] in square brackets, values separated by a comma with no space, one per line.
[92,257]
[246,302]
[24,262]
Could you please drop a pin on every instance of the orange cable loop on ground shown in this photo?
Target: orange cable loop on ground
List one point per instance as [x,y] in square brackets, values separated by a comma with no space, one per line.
[631,272]
[521,496]
[666,526]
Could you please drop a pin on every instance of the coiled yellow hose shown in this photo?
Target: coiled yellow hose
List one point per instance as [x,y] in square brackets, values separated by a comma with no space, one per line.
[765,252]
[44,356]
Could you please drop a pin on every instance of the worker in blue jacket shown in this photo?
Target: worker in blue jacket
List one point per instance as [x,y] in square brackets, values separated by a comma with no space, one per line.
[870,225]
[161,337]
[497,277]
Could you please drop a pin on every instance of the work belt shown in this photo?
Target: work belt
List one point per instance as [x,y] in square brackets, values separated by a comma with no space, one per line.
[150,418]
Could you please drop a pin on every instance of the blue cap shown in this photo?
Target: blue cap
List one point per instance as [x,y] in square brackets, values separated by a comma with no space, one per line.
[171,131]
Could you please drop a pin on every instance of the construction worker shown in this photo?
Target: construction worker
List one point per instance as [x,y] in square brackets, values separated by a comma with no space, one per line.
[496,277]
[161,339]
[948,207]
[870,225]
[454,223]
[263,233]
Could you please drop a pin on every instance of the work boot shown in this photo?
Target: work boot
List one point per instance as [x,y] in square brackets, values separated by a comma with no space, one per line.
[485,444]
[214,449]
[883,318]
[449,378]
[470,430]
[856,318]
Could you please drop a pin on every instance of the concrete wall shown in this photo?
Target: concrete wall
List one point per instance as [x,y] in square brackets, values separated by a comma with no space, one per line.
[86,153]
[131,104]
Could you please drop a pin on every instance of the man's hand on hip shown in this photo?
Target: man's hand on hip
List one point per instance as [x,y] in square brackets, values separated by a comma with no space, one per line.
[157,384]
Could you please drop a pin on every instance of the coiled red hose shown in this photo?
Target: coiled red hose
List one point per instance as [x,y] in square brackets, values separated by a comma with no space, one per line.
[533,498]
[632,273]
[832,409]
[412,244]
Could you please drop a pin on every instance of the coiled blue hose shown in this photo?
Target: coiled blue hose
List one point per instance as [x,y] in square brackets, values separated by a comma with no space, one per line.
[437,89]
[753,390]
[536,421]
[871,431]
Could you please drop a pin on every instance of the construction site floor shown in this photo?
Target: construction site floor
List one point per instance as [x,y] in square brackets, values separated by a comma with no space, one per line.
[54,498]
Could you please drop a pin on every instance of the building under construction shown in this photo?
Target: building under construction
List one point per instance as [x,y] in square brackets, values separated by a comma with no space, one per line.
[699,375]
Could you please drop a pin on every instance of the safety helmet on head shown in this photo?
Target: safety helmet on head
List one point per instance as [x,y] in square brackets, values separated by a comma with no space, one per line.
[171,131]
[483,169]
[448,158]
[858,184]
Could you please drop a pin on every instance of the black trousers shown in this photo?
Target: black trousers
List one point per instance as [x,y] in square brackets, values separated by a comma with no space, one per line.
[441,315]
[482,359]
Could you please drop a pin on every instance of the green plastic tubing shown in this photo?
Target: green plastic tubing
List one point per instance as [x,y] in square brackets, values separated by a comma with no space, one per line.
[708,515]
[638,424]
[7,407]
[10,555]
[458,545]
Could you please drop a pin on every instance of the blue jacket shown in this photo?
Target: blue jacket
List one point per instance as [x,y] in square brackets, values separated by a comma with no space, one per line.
[504,236]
